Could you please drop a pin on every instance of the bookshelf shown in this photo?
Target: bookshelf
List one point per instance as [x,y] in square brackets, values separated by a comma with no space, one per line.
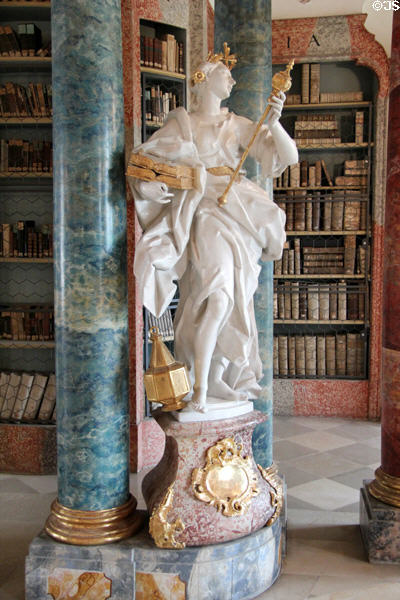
[163,72]
[27,346]
[322,282]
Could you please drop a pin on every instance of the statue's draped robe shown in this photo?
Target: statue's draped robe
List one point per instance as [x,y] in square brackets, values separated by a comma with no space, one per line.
[207,247]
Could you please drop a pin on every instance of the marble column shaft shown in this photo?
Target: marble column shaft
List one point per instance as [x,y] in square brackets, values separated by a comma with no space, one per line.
[246,27]
[90,255]
[391,262]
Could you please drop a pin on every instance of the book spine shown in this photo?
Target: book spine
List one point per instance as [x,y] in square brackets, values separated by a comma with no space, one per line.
[330,349]
[300,355]
[349,254]
[295,300]
[342,301]
[275,357]
[283,355]
[351,354]
[341,354]
[321,356]
[314,83]
[316,212]
[313,302]
[305,83]
[310,344]
[291,356]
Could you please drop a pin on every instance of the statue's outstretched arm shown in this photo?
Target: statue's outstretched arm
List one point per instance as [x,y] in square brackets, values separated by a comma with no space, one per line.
[285,146]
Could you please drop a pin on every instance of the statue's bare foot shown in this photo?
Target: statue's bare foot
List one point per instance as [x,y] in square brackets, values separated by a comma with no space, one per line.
[199,400]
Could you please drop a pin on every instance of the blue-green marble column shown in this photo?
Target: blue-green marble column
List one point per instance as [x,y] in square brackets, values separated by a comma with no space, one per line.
[246,26]
[90,255]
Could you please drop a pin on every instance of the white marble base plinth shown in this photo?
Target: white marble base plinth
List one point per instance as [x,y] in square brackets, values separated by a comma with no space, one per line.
[216,410]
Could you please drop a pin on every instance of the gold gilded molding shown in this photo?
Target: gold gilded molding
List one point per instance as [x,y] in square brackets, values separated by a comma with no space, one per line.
[162,532]
[75,585]
[92,527]
[275,482]
[385,488]
[227,480]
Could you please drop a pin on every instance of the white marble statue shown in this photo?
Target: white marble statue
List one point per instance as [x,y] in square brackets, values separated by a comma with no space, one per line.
[212,251]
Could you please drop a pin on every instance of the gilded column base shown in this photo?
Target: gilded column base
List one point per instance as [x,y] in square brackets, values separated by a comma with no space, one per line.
[89,528]
[385,488]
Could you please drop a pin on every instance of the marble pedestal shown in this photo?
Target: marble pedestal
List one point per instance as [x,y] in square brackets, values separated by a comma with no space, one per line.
[380,528]
[207,489]
[237,570]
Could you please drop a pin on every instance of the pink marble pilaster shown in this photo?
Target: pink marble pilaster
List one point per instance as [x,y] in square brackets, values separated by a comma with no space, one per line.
[391,291]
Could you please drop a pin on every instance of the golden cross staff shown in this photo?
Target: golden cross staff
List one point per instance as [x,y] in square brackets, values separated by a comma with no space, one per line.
[281,82]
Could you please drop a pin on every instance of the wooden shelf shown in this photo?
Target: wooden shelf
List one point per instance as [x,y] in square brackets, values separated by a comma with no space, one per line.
[322,187]
[16,259]
[25,63]
[341,146]
[171,74]
[24,4]
[310,233]
[25,121]
[321,276]
[316,322]
[322,105]
[25,175]
[27,344]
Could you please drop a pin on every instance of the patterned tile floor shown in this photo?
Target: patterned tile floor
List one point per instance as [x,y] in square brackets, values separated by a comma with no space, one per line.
[324,462]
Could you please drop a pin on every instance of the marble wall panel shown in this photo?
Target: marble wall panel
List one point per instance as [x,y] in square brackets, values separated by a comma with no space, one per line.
[29,449]
[331,398]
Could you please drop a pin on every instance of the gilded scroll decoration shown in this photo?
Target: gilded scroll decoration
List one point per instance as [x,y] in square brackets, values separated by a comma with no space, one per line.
[163,532]
[276,492]
[227,480]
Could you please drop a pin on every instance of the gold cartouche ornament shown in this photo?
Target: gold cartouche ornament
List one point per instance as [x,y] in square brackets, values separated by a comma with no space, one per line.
[166,380]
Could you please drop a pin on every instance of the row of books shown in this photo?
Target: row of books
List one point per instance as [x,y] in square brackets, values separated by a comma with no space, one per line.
[26,156]
[320,130]
[310,89]
[348,259]
[327,97]
[316,129]
[340,355]
[339,210]
[25,41]
[32,100]
[165,53]
[163,324]
[306,174]
[158,104]
[24,239]
[27,397]
[339,301]
[26,322]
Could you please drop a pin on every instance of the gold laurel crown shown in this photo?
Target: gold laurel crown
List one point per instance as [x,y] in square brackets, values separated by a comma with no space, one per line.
[228,59]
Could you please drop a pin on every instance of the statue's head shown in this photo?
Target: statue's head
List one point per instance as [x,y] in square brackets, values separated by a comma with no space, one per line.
[214,74]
